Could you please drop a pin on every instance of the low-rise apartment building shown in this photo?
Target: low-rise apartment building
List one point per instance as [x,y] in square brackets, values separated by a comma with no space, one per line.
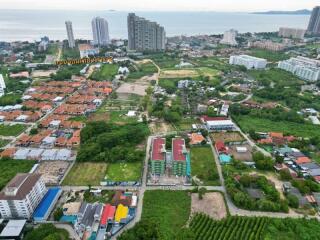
[248,61]
[296,33]
[305,68]
[158,159]
[179,157]
[21,196]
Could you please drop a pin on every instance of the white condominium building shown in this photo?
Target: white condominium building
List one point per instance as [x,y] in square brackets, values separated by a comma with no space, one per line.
[229,37]
[296,33]
[2,85]
[100,31]
[21,196]
[305,68]
[248,61]
[71,41]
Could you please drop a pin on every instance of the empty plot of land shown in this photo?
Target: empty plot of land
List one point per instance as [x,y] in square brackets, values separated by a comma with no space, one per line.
[52,171]
[132,88]
[238,153]
[212,205]
[179,73]
[84,174]
[227,137]
[43,74]
[160,127]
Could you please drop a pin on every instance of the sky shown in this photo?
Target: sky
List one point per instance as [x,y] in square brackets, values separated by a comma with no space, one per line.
[162,5]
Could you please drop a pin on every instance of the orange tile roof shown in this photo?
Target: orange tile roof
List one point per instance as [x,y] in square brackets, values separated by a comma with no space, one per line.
[8,152]
[276,135]
[302,160]
[196,138]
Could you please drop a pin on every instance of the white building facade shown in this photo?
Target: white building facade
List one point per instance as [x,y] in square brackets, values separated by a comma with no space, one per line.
[21,196]
[229,38]
[2,85]
[248,61]
[69,28]
[304,68]
[100,31]
[296,33]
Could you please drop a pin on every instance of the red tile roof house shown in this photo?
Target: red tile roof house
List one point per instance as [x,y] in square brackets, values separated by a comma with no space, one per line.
[220,147]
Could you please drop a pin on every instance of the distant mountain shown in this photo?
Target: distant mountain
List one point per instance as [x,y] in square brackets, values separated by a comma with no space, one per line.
[297,12]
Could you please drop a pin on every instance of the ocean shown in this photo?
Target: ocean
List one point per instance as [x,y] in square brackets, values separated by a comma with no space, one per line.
[32,24]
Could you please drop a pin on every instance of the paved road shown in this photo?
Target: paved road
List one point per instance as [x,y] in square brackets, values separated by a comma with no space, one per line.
[247,98]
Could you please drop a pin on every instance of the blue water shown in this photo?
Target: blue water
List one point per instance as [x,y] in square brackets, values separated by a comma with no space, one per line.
[31,24]
[70,219]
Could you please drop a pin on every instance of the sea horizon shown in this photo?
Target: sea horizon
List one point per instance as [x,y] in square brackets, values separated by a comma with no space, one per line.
[30,25]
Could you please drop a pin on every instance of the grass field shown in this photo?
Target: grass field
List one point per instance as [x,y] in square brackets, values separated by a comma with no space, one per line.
[264,125]
[120,117]
[210,72]
[169,209]
[3,142]
[203,165]
[119,172]
[186,124]
[106,72]
[143,69]
[13,130]
[277,76]
[269,55]
[84,174]
[9,168]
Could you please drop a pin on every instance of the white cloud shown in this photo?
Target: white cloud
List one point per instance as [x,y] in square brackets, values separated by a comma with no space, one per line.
[158,5]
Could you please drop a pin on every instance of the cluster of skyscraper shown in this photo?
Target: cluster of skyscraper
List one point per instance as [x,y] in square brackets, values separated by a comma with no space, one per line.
[100,32]
[143,35]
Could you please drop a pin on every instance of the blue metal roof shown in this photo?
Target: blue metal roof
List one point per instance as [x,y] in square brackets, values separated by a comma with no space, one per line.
[46,203]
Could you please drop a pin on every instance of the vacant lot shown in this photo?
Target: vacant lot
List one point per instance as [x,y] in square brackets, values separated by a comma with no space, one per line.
[227,137]
[12,130]
[212,205]
[43,74]
[264,125]
[123,172]
[269,55]
[246,156]
[203,166]
[186,124]
[106,72]
[170,209]
[209,72]
[9,168]
[84,174]
[179,73]
[127,89]
[141,69]
[160,127]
